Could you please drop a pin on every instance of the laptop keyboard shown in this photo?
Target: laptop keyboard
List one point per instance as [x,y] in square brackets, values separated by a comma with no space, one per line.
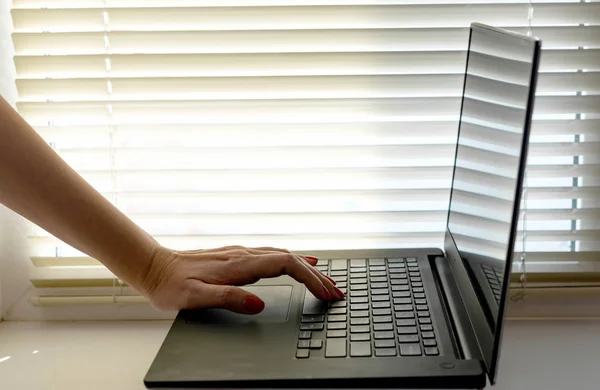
[494,276]
[386,313]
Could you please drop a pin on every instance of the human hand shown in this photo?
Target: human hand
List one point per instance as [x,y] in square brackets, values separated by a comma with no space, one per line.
[209,278]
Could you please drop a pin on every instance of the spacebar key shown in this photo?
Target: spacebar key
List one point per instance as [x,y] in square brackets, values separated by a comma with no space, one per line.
[335,348]
[313,305]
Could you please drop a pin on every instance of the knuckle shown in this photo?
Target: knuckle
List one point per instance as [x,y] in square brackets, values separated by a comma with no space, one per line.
[227,294]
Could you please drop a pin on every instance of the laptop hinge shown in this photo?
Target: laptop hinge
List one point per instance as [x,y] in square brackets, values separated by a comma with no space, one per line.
[461,324]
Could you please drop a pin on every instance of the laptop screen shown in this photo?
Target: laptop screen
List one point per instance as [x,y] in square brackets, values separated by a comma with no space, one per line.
[489,159]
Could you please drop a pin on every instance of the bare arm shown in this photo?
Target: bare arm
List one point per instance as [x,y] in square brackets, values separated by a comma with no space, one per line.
[36,183]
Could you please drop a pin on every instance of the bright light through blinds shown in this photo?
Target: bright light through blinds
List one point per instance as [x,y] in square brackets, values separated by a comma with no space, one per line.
[300,124]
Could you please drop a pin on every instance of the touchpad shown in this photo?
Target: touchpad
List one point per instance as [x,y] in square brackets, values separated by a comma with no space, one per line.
[277,307]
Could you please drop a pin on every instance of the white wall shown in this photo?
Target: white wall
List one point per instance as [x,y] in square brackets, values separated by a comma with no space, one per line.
[13,250]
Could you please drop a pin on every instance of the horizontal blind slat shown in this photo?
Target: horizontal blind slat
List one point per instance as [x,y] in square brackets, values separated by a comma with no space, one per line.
[279,64]
[366,40]
[297,18]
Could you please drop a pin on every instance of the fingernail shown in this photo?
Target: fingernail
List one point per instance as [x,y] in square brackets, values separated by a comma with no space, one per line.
[253,304]
[312,258]
[339,293]
[331,280]
[326,292]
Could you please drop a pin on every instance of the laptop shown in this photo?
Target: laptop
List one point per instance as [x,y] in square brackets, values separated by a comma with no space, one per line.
[413,318]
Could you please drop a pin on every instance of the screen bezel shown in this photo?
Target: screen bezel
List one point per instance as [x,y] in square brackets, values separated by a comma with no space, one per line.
[489,340]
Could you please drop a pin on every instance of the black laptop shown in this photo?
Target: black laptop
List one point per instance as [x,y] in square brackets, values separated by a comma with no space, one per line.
[413,318]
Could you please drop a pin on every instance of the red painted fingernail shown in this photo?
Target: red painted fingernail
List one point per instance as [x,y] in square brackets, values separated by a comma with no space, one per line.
[253,304]
[339,292]
[312,258]
[331,280]
[326,292]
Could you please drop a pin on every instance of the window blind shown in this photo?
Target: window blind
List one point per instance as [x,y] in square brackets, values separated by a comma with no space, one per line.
[300,124]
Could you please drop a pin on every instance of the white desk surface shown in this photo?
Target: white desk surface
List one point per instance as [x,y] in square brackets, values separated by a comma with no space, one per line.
[561,355]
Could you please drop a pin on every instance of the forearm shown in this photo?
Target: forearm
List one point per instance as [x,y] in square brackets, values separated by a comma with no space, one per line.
[36,183]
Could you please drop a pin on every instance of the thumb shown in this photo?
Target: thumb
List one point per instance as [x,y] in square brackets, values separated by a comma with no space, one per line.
[226,297]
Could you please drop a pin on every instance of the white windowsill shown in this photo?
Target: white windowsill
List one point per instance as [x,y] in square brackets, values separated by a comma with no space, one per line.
[537,355]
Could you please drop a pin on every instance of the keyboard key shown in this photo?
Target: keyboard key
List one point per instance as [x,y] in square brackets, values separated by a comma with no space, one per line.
[401,315]
[403,307]
[383,335]
[339,265]
[415,279]
[303,343]
[411,259]
[408,338]
[316,344]
[378,273]
[396,260]
[380,305]
[407,330]
[360,275]
[396,265]
[385,352]
[376,261]
[358,263]
[419,296]
[335,333]
[432,351]
[337,318]
[420,301]
[358,269]
[360,349]
[401,294]
[335,348]
[406,322]
[360,321]
[302,353]
[382,312]
[339,273]
[430,343]
[424,320]
[414,274]
[304,335]
[312,326]
[378,286]
[338,304]
[341,285]
[358,294]
[358,299]
[344,290]
[313,305]
[379,279]
[418,289]
[382,327]
[336,325]
[428,335]
[399,282]
[377,268]
[359,306]
[360,329]
[385,344]
[422,307]
[382,319]
[423,314]
[396,271]
[358,287]
[402,301]
[360,337]
[380,298]
[380,291]
[359,313]
[337,310]
[410,350]
[426,328]
[340,279]
[315,318]
[358,281]
[400,288]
